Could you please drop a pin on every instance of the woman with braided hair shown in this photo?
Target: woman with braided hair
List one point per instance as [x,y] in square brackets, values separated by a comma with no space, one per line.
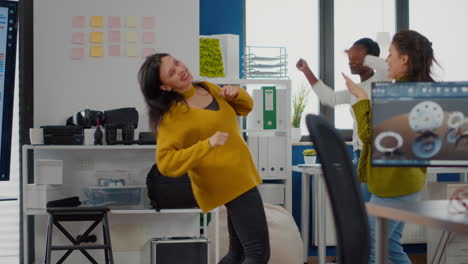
[410,59]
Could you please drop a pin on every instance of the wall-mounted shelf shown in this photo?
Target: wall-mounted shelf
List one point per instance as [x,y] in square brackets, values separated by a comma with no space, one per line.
[30,211]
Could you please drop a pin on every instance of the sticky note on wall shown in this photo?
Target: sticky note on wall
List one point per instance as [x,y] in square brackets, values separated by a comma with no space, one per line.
[96,51]
[269,107]
[130,21]
[97,21]
[96,37]
[130,51]
[114,36]
[77,53]
[78,38]
[148,37]
[131,36]
[148,22]
[78,21]
[114,22]
[114,50]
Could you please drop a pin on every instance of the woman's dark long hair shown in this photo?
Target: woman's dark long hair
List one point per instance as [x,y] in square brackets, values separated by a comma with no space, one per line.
[158,101]
[420,54]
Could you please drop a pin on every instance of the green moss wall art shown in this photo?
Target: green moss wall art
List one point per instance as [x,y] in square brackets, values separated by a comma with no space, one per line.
[211,58]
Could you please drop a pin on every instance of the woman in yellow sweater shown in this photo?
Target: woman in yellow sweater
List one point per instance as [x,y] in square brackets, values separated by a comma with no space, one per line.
[410,60]
[197,132]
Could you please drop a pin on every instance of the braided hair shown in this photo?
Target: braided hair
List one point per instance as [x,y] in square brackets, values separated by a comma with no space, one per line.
[372,47]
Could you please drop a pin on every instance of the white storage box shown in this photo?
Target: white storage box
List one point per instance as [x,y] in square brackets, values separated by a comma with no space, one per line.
[48,171]
[133,196]
[272,193]
[39,195]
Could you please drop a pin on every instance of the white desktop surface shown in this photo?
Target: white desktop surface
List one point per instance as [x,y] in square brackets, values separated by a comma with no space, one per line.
[434,213]
[308,170]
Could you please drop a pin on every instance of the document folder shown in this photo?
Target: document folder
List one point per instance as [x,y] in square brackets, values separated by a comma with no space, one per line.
[269,107]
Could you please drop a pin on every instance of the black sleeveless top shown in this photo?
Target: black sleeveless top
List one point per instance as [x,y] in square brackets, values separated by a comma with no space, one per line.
[213,105]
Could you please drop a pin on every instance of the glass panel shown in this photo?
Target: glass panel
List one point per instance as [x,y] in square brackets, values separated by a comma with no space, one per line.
[447,34]
[354,20]
[294,25]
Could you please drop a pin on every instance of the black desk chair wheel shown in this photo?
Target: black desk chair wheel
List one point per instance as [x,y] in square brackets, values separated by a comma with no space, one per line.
[78,214]
[351,223]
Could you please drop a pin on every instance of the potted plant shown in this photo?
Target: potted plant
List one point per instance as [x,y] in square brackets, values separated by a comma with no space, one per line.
[310,155]
[299,104]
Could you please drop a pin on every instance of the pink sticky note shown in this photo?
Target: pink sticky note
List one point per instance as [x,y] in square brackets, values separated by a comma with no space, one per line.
[77,53]
[147,52]
[148,22]
[114,22]
[148,37]
[114,36]
[78,21]
[114,50]
[78,38]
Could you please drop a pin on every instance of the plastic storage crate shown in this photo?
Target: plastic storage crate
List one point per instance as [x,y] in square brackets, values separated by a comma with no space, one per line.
[116,196]
[113,178]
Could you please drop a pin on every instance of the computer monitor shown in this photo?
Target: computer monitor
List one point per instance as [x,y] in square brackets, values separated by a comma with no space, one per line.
[8,36]
[419,124]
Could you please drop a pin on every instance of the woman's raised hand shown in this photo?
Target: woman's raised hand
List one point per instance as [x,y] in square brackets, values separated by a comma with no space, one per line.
[302,65]
[355,89]
[229,91]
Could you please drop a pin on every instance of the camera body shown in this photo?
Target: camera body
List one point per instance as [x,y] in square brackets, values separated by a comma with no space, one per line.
[119,124]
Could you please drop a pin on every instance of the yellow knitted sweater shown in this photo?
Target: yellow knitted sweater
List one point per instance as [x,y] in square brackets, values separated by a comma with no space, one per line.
[218,174]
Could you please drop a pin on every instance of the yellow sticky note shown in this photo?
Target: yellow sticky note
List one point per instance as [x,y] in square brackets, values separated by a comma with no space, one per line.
[97,21]
[130,21]
[96,51]
[131,36]
[97,37]
[130,51]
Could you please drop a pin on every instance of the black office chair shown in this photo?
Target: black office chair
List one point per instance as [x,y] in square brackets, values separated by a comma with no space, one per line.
[352,227]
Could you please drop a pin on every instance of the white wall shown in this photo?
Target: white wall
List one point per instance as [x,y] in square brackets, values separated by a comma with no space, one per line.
[293,25]
[63,86]
[444,24]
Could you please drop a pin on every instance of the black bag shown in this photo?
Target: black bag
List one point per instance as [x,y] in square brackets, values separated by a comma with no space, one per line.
[122,117]
[169,193]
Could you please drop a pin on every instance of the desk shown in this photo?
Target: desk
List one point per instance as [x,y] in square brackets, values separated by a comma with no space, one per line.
[316,169]
[428,213]
[307,170]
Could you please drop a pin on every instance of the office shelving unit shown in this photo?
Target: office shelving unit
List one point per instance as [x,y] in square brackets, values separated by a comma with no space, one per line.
[79,165]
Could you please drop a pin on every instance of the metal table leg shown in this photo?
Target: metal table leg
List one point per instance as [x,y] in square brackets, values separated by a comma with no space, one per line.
[321,219]
[381,246]
[305,205]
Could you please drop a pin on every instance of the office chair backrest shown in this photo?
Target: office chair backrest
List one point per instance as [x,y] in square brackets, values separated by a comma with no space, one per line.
[352,228]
